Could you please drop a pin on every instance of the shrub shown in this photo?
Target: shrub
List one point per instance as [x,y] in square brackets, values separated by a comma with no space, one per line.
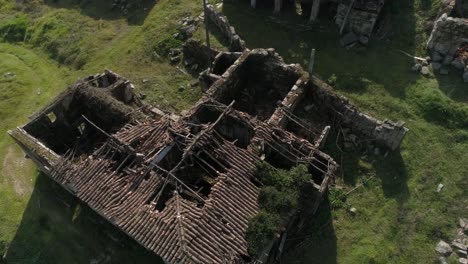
[164,46]
[14,30]
[276,201]
[278,197]
[262,228]
[332,79]
[337,198]
[437,108]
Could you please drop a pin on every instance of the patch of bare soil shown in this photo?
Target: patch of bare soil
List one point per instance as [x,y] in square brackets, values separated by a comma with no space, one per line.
[15,171]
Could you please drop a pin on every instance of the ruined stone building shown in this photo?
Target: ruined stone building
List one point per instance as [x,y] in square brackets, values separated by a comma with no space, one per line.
[448,43]
[184,186]
[357,16]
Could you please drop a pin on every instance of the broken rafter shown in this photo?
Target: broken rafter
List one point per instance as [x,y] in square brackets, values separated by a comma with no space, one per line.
[113,139]
[178,180]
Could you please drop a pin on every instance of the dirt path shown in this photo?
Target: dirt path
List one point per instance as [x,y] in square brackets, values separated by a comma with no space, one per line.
[15,170]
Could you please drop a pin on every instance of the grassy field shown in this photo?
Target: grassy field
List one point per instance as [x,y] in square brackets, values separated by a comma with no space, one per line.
[400,216]
[46,47]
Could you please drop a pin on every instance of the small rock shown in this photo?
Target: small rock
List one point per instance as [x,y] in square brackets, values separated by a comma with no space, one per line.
[417,67]
[465,77]
[458,64]
[181,88]
[142,96]
[425,71]
[425,62]
[144,80]
[195,83]
[353,210]
[376,151]
[443,248]
[447,60]
[461,253]
[463,260]
[463,222]
[307,108]
[175,59]
[436,66]
[442,260]
[349,39]
[436,57]
[439,187]
[459,245]
[444,71]
[9,75]
[364,40]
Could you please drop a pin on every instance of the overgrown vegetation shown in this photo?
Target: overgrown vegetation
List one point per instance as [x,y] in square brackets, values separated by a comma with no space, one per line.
[279,197]
[14,29]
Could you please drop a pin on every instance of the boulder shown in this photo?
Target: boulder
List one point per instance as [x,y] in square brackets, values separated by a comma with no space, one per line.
[459,245]
[443,248]
[447,60]
[458,64]
[463,260]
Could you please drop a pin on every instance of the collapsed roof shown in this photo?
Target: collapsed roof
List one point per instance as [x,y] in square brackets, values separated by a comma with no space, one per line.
[184,187]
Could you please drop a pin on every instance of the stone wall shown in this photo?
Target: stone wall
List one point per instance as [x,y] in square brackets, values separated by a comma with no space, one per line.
[448,43]
[222,23]
[387,133]
[448,35]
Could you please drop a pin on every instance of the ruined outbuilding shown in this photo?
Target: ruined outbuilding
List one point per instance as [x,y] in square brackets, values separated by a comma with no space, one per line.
[181,186]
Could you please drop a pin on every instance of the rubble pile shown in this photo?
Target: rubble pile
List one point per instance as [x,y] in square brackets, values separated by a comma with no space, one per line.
[458,247]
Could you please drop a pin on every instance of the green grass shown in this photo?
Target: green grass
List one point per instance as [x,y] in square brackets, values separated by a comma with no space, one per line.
[400,216]
[61,43]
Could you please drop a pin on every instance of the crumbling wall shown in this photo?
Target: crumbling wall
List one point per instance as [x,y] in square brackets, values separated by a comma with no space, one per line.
[196,52]
[387,133]
[222,23]
[362,18]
